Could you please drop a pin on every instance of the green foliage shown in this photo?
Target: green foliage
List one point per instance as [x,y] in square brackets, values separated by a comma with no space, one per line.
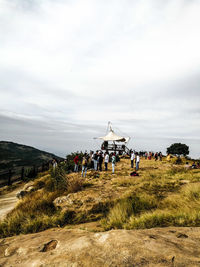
[69,164]
[59,179]
[178,149]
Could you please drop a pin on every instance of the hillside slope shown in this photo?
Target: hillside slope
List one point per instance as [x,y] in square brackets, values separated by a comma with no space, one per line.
[14,156]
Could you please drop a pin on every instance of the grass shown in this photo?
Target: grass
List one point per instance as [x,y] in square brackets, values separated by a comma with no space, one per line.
[36,211]
[160,218]
[162,195]
[166,195]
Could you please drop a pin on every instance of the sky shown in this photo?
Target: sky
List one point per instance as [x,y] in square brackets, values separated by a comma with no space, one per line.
[68,67]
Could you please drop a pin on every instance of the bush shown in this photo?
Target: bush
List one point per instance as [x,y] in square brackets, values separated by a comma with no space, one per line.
[59,179]
[75,184]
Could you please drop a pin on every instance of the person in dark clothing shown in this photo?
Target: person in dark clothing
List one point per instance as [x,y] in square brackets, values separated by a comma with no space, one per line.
[106,160]
[95,161]
[100,161]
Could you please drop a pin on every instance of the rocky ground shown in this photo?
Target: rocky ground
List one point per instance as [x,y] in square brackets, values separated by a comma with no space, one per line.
[75,248]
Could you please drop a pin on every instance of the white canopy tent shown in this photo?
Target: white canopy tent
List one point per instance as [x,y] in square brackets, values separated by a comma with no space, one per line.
[112,136]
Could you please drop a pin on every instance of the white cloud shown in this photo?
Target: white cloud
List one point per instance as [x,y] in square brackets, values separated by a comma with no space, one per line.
[87,62]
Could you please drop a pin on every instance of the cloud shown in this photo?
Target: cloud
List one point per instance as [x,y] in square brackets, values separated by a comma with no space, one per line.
[84,63]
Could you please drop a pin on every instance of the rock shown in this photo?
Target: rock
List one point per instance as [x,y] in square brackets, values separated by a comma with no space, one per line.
[28,188]
[49,246]
[9,251]
[181,235]
[85,207]
[124,248]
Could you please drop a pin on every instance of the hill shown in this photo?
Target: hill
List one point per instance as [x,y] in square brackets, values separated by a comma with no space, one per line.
[14,156]
[103,219]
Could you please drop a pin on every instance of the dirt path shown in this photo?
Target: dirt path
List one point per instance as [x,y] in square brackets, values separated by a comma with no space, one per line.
[8,202]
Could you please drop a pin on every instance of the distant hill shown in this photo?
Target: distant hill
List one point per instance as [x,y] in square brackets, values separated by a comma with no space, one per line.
[14,156]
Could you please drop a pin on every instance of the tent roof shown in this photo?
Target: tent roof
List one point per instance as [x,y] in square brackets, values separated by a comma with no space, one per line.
[111,136]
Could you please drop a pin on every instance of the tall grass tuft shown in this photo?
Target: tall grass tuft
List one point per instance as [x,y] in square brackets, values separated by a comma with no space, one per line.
[159,218]
[120,213]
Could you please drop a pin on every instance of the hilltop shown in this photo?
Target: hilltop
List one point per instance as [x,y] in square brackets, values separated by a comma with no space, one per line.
[87,214]
[14,156]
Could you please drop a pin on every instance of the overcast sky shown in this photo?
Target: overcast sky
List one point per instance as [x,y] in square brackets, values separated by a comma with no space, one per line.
[68,67]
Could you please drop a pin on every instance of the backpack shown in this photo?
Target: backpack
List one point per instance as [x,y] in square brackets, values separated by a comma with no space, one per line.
[84,162]
[134,174]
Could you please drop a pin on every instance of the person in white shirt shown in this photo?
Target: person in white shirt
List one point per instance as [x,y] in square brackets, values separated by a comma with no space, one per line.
[137,162]
[132,159]
[106,160]
[113,162]
[55,164]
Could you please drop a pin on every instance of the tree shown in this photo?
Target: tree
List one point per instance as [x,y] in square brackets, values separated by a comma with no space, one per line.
[178,149]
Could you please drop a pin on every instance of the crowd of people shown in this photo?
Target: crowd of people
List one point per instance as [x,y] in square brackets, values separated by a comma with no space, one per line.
[151,155]
[193,166]
[95,160]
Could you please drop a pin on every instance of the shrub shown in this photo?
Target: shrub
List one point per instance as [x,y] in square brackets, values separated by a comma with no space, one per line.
[59,179]
[75,184]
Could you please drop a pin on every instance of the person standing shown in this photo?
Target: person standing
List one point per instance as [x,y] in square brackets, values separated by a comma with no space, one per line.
[149,157]
[92,160]
[55,164]
[132,159]
[84,165]
[137,162]
[100,160]
[95,161]
[113,163]
[76,159]
[106,160]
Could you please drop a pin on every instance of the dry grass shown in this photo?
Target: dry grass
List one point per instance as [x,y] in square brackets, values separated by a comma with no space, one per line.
[163,194]
[36,211]
[172,198]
